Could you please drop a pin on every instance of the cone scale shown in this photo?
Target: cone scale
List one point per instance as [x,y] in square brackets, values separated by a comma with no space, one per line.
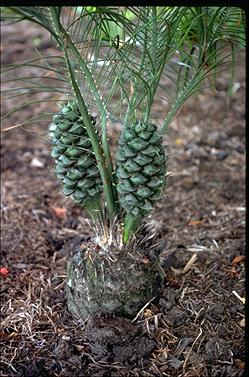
[141,170]
[75,163]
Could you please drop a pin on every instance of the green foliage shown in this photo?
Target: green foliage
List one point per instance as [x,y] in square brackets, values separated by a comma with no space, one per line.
[114,61]
[111,30]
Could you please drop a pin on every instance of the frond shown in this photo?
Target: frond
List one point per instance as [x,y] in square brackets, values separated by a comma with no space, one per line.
[122,56]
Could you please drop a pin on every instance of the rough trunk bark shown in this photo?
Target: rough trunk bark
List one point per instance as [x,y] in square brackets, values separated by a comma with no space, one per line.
[117,282]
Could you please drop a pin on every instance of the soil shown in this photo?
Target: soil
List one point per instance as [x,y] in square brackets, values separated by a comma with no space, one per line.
[197,326]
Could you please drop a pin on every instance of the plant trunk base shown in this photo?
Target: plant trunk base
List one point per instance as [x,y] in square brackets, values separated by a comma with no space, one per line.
[119,284]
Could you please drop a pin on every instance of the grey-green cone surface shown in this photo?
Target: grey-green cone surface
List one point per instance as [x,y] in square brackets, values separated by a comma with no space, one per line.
[75,163]
[141,168]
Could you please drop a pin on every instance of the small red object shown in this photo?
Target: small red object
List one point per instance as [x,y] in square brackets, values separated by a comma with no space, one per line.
[4,271]
[97,248]
[238,259]
[60,212]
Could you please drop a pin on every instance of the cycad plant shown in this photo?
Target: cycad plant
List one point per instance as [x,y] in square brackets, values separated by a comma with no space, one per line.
[112,63]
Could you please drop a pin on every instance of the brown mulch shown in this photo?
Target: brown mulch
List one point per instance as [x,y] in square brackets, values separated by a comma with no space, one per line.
[197,326]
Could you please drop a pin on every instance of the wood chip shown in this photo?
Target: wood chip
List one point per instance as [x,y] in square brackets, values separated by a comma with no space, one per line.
[194,222]
[238,259]
[60,212]
[78,347]
[36,163]
[242,299]
[242,323]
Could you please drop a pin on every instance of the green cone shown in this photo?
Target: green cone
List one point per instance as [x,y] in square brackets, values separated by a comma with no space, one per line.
[75,162]
[141,172]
